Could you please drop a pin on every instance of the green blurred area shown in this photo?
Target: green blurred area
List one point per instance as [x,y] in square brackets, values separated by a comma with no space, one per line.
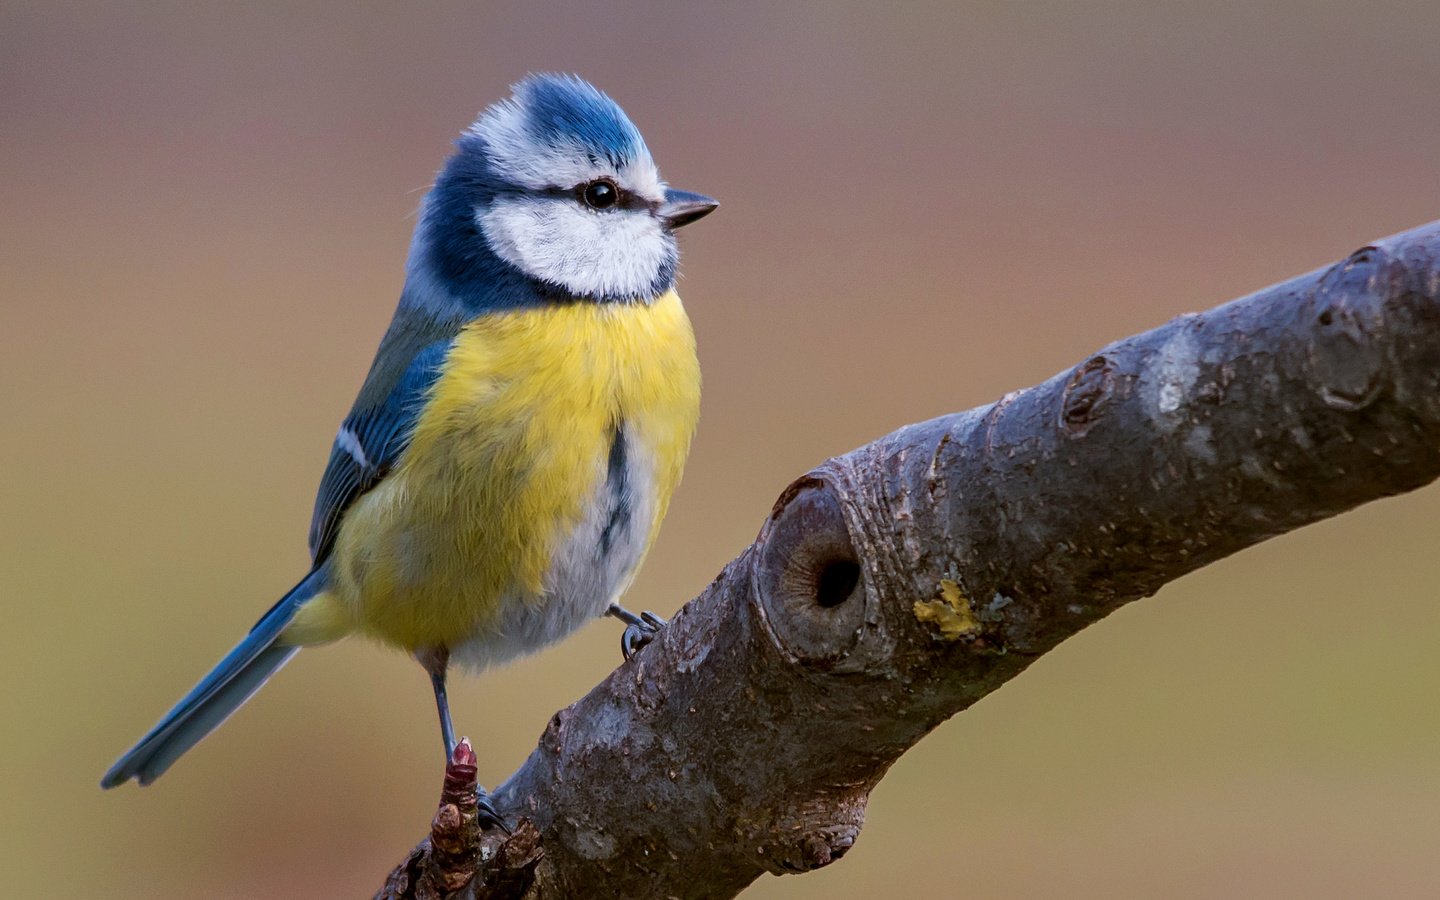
[206,211]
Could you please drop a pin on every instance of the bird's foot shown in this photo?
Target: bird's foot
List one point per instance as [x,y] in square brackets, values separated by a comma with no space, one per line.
[486,815]
[639,630]
[639,633]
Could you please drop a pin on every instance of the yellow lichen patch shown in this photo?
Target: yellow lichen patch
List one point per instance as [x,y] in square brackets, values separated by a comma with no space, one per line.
[951,614]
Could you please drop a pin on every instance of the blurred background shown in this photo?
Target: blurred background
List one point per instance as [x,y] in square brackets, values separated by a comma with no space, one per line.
[206,209]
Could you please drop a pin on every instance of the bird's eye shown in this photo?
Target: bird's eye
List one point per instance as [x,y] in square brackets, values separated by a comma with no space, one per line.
[600,194]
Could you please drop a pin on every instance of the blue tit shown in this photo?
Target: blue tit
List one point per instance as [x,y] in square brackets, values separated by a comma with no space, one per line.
[513,450]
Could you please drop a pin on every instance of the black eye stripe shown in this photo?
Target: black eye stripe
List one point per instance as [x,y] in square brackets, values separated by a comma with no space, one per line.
[625,199]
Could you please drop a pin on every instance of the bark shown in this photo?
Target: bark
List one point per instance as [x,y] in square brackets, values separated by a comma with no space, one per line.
[895,585]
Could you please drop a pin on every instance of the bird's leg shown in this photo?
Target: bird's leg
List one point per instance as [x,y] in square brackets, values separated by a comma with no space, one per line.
[436,661]
[639,630]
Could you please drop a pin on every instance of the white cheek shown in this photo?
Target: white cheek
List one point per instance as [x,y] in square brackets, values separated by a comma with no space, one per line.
[619,253]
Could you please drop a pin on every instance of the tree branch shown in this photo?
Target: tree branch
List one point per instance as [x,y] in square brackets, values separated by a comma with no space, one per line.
[899,583]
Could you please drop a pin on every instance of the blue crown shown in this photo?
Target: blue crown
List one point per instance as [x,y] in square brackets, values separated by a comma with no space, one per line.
[564,109]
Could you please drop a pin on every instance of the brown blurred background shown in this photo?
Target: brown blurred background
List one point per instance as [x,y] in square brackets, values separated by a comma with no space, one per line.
[205,213]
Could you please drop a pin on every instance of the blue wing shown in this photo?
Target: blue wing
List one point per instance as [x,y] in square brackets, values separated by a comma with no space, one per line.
[373,437]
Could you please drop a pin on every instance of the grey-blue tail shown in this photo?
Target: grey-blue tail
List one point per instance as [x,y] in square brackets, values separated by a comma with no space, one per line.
[209,703]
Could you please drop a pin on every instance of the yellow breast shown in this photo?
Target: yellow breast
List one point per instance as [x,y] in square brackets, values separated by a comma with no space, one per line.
[511,447]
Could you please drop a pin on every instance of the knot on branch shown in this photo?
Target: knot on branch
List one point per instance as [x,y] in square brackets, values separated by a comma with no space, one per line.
[1086,395]
[1348,358]
[813,835]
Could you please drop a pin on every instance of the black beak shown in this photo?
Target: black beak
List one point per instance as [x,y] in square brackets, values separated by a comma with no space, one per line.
[682,207]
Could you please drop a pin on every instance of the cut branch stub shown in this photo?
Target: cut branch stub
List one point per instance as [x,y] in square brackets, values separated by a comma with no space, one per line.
[808,579]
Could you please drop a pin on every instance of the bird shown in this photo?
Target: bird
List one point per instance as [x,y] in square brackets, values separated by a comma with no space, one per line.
[506,465]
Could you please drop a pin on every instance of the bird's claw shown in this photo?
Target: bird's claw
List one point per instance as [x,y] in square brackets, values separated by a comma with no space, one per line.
[638,634]
[486,815]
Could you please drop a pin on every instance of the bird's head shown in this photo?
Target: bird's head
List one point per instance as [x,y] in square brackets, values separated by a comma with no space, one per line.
[556,184]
